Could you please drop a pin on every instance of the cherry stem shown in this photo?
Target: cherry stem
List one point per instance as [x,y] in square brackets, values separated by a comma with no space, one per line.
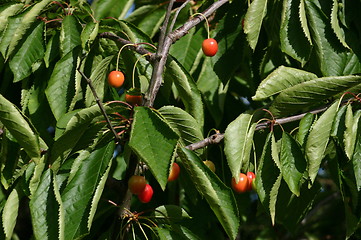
[205,18]
[121,49]
[135,64]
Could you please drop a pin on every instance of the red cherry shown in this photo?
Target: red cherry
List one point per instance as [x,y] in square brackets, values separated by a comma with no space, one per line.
[133,99]
[174,172]
[136,184]
[251,176]
[146,195]
[116,79]
[242,185]
[210,47]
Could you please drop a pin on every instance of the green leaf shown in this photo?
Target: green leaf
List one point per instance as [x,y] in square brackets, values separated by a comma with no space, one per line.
[293,163]
[183,124]
[43,208]
[52,49]
[304,128]
[238,139]
[281,79]
[317,140]
[154,141]
[300,205]
[303,20]
[267,174]
[219,197]
[78,193]
[357,153]
[273,198]
[31,50]
[176,213]
[98,77]
[293,40]
[69,34]
[76,126]
[62,84]
[340,33]
[188,91]
[148,18]
[7,11]
[351,133]
[311,93]
[10,213]
[105,8]
[89,33]
[8,33]
[339,125]
[333,58]
[253,21]
[97,195]
[20,128]
[26,22]
[211,88]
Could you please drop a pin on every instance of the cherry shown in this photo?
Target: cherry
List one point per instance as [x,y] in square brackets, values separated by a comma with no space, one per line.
[210,47]
[133,99]
[174,172]
[251,176]
[242,185]
[116,79]
[136,184]
[211,165]
[146,195]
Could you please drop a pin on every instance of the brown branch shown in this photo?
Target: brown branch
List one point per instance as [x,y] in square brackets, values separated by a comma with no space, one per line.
[163,51]
[218,137]
[100,104]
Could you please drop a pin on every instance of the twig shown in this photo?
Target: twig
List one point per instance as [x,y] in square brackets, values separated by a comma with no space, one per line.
[218,137]
[100,104]
[134,46]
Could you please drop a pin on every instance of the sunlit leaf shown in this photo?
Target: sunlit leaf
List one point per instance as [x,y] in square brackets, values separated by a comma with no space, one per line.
[351,132]
[336,25]
[304,127]
[253,21]
[154,141]
[10,213]
[31,50]
[317,140]
[238,139]
[280,79]
[69,34]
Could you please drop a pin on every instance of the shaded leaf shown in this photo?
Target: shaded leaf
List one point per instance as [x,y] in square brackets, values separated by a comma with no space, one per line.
[78,193]
[273,198]
[10,213]
[340,33]
[188,91]
[19,128]
[219,197]
[304,128]
[43,208]
[293,40]
[293,163]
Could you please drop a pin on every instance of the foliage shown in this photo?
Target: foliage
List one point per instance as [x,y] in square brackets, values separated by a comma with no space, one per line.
[284,88]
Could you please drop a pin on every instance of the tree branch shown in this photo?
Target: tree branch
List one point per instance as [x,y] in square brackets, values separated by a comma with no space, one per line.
[218,137]
[100,104]
[163,51]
